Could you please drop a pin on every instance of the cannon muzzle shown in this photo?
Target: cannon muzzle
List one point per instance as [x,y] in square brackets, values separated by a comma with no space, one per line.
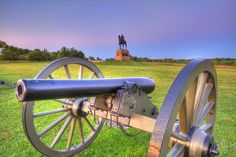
[30,89]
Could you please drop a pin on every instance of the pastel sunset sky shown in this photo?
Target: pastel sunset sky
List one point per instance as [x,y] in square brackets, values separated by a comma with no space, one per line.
[152,28]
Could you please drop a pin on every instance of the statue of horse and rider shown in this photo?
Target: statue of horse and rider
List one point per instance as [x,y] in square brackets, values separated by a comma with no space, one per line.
[122,41]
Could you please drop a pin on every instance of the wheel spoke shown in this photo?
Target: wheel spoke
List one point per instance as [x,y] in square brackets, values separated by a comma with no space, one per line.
[54,124]
[51,76]
[206,110]
[183,124]
[63,101]
[190,103]
[178,137]
[200,87]
[62,130]
[81,130]
[71,133]
[204,98]
[81,70]
[67,71]
[176,151]
[50,112]
[90,125]
[92,75]
[206,126]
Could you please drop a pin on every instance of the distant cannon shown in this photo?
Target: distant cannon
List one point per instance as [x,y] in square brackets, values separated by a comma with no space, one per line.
[183,127]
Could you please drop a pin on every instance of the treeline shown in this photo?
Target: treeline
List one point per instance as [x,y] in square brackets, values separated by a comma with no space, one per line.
[217,61]
[13,53]
[224,61]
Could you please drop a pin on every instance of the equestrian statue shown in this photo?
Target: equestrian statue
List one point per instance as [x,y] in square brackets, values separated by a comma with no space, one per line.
[122,41]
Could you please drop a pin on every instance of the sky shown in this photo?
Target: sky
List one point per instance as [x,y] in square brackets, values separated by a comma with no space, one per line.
[152,28]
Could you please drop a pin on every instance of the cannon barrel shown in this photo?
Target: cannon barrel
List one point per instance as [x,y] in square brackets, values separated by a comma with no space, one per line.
[30,89]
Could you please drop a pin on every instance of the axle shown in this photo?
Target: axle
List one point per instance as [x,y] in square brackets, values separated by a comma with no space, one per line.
[27,90]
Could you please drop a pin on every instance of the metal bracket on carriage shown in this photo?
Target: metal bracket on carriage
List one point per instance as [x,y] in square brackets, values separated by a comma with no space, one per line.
[131,99]
[124,102]
[118,108]
[97,104]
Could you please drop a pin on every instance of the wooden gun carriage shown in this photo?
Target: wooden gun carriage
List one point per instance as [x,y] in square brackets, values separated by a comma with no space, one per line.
[183,126]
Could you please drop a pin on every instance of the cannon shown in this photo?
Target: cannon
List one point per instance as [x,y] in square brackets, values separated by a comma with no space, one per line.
[70,110]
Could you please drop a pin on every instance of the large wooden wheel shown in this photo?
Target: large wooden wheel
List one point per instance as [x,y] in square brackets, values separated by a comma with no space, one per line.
[51,125]
[186,120]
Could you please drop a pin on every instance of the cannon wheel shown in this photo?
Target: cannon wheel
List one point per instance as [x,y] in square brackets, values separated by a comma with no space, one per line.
[187,115]
[68,117]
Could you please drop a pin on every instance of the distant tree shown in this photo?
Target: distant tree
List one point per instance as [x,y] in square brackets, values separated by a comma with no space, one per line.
[2,44]
[37,55]
[21,51]
[9,55]
[75,53]
[63,52]
[134,58]
[99,59]
[91,58]
[110,59]
[64,49]
[37,50]
[53,55]
[72,52]
[46,55]
[81,54]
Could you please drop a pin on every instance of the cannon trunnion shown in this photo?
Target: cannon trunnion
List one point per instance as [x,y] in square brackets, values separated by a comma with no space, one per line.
[82,103]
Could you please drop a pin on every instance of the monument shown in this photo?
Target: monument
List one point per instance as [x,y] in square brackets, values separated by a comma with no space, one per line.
[122,53]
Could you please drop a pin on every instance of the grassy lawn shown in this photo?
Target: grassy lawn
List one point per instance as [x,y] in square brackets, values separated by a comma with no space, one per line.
[112,142]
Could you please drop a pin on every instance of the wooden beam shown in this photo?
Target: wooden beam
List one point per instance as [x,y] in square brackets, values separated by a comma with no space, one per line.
[137,121]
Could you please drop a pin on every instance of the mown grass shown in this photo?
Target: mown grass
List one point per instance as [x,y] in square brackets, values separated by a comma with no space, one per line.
[112,142]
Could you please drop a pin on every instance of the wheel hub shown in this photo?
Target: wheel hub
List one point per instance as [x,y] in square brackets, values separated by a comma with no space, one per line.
[76,108]
[202,144]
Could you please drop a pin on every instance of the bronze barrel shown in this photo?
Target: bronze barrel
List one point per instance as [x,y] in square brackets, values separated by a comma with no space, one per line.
[31,89]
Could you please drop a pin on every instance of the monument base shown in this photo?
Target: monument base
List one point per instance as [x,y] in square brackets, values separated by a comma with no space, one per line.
[122,55]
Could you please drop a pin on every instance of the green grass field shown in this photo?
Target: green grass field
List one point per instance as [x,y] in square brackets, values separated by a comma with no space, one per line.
[112,142]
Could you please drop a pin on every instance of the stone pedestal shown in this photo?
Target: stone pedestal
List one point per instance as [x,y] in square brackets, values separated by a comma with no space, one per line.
[122,55]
